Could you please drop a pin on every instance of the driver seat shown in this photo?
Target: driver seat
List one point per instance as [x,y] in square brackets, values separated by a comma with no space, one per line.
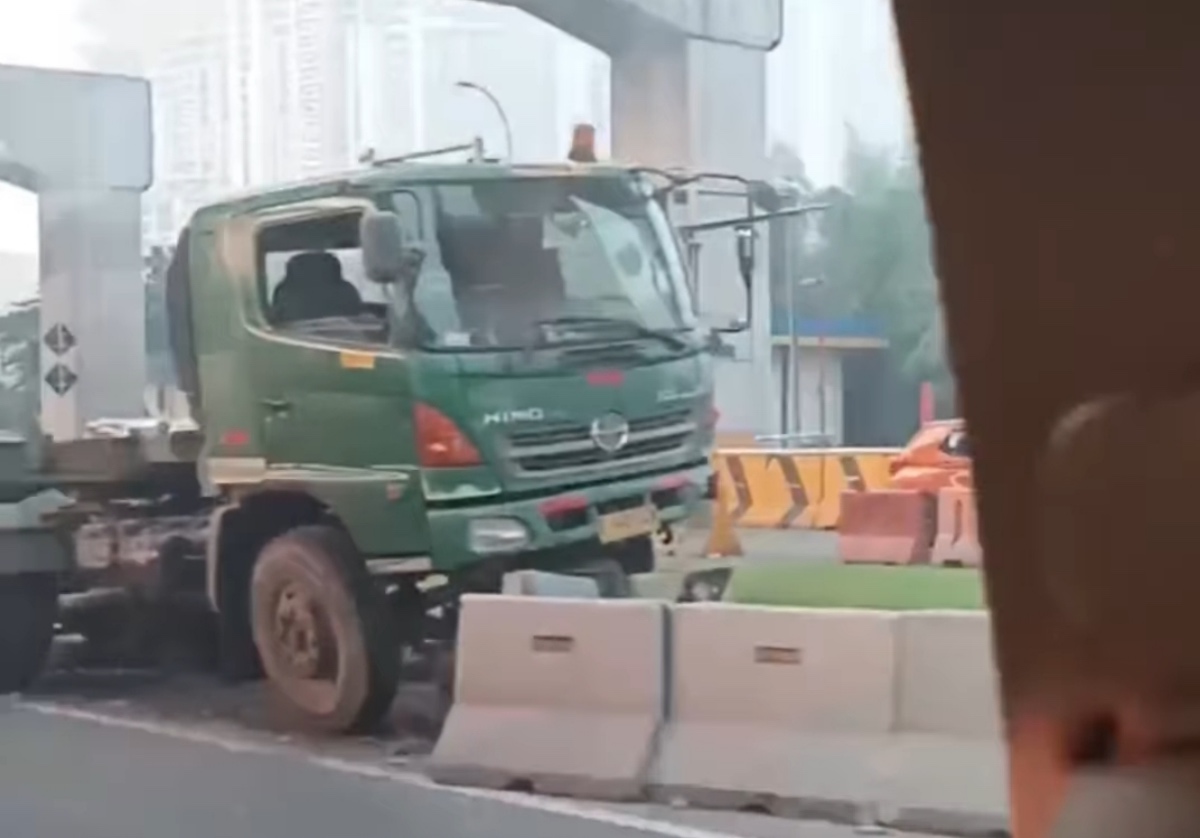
[313,287]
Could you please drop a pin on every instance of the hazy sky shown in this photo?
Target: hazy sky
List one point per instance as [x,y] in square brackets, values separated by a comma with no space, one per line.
[41,34]
[831,70]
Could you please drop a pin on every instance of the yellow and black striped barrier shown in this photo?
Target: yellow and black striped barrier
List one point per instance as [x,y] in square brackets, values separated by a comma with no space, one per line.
[789,489]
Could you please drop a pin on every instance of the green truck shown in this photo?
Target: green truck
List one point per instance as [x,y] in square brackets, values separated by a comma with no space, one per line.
[403,383]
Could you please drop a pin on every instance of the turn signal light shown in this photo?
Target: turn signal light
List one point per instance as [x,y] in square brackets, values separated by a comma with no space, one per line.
[440,442]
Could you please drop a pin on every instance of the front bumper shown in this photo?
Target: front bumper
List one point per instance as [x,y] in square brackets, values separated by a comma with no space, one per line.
[558,522]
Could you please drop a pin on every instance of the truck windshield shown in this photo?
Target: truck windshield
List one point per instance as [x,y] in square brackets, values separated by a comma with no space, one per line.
[518,262]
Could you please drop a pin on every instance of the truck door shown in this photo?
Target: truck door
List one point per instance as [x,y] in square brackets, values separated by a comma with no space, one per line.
[334,398]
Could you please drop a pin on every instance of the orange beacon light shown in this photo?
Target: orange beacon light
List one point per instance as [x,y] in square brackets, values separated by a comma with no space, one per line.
[583,144]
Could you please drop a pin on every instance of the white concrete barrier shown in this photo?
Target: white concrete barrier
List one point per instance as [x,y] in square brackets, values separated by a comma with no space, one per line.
[947,682]
[781,709]
[540,583]
[557,696]
[947,768]
[844,715]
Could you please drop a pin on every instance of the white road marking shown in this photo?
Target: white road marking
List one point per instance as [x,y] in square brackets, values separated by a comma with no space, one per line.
[554,805]
[229,742]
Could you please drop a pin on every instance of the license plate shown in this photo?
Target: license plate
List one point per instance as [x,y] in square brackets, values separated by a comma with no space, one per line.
[629,523]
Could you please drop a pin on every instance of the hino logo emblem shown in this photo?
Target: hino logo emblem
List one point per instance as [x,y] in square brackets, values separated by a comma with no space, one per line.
[610,432]
[510,417]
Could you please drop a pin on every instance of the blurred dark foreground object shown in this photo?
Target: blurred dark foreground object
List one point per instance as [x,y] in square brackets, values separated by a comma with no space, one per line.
[1067,256]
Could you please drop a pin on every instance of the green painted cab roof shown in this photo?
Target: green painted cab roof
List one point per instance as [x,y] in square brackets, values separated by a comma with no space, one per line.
[398,175]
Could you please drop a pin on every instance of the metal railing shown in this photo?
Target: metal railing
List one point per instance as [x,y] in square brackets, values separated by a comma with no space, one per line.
[796,440]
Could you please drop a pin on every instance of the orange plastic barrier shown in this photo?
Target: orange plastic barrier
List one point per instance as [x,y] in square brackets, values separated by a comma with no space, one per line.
[887,527]
[723,541]
[797,489]
[957,538]
[936,457]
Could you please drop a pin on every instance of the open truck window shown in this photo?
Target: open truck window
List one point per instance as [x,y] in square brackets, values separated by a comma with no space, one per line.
[311,280]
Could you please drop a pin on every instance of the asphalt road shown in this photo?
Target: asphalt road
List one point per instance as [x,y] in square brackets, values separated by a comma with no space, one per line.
[805,546]
[123,757]
[71,772]
[762,546]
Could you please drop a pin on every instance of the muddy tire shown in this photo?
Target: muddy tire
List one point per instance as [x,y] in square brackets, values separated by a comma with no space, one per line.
[323,632]
[28,610]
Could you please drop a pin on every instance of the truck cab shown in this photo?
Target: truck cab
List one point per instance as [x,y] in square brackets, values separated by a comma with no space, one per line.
[514,373]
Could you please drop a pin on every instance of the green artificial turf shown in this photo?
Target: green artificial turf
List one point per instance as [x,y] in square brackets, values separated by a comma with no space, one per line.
[856,586]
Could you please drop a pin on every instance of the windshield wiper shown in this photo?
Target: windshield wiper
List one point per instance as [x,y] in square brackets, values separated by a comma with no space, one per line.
[671,339]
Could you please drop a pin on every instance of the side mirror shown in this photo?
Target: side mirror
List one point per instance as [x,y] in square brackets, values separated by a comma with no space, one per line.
[746,256]
[386,256]
[693,247]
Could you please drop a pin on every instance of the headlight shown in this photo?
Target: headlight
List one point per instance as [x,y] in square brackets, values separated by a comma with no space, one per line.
[493,536]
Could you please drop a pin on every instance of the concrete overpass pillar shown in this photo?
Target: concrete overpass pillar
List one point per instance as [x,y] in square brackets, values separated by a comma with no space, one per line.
[651,103]
[93,349]
[697,105]
[83,143]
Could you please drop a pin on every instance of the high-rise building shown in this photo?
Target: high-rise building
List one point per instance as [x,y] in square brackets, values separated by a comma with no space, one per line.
[196,57]
[542,79]
[303,72]
[258,91]
[838,68]
[198,142]
[509,53]
[383,103]
[332,78]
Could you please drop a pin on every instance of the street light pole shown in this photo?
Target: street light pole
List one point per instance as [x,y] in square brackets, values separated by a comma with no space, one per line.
[478,88]
[794,325]
[824,428]
[793,355]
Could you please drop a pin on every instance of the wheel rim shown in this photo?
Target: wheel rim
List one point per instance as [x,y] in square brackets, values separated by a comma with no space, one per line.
[305,647]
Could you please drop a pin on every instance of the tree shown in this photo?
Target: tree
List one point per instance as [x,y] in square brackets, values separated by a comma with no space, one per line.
[20,370]
[785,165]
[874,255]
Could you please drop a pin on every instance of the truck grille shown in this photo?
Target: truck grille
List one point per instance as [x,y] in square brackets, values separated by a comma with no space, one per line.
[569,447]
[619,354]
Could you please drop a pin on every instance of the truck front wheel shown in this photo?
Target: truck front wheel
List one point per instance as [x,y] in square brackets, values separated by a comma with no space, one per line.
[28,610]
[323,632]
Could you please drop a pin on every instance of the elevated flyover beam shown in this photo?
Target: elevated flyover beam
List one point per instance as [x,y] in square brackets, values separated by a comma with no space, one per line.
[688,76]
[612,25]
